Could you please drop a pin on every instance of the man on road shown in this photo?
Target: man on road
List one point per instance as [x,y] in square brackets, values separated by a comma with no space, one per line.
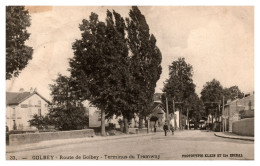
[165,128]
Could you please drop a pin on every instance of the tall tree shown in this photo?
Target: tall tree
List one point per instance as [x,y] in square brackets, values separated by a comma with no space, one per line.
[100,65]
[67,111]
[232,93]
[17,53]
[194,108]
[145,62]
[212,95]
[180,85]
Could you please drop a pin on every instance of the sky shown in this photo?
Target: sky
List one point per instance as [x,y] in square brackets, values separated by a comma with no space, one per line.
[217,41]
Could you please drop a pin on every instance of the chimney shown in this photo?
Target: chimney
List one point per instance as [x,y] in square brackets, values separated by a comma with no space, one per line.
[31,90]
[21,90]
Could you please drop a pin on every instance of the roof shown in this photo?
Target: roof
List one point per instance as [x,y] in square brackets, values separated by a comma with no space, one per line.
[155,105]
[239,101]
[14,98]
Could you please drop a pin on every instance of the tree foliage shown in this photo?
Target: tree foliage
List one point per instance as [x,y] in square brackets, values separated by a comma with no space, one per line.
[40,122]
[232,93]
[100,64]
[17,53]
[180,85]
[212,91]
[212,96]
[67,112]
[119,76]
[145,60]
[194,108]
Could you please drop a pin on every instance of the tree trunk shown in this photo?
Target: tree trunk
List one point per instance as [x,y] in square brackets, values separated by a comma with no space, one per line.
[103,131]
[212,126]
[148,125]
[122,126]
[141,123]
[126,125]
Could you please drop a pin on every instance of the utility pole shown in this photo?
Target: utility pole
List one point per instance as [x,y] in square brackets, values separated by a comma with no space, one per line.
[180,115]
[188,122]
[224,121]
[167,110]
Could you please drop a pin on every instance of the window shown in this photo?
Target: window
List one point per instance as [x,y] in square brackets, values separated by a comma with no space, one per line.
[39,112]
[30,113]
[39,102]
[13,112]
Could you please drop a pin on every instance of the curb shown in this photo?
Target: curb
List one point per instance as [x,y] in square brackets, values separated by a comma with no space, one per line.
[87,140]
[235,137]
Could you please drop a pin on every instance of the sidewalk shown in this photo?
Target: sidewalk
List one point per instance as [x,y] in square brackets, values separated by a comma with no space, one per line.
[233,136]
[60,142]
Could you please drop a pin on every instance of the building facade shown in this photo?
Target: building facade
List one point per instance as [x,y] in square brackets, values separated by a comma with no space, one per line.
[234,110]
[21,106]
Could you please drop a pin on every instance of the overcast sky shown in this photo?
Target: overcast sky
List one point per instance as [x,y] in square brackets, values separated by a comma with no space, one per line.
[217,41]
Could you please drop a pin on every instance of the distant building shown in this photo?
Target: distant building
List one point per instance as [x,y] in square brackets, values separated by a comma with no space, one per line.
[158,116]
[21,106]
[157,97]
[237,109]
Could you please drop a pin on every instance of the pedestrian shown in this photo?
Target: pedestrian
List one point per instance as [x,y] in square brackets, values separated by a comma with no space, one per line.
[155,127]
[165,128]
[172,129]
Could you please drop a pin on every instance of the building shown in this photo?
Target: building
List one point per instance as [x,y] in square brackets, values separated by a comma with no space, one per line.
[237,109]
[21,106]
[158,116]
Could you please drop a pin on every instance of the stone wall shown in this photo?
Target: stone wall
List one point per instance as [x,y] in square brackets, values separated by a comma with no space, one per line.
[19,139]
[244,127]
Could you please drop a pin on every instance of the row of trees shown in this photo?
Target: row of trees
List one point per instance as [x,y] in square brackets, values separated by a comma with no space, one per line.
[214,95]
[116,65]
[179,89]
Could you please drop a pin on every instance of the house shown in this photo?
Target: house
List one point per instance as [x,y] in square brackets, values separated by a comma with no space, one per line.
[21,106]
[237,109]
[158,116]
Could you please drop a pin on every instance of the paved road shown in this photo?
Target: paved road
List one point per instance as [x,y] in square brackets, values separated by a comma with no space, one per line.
[184,145]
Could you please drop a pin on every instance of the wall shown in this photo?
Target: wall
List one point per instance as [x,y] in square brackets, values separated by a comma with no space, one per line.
[95,118]
[20,139]
[244,127]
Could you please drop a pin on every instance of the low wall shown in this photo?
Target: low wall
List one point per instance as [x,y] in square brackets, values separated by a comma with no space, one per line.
[244,127]
[141,131]
[19,139]
[137,131]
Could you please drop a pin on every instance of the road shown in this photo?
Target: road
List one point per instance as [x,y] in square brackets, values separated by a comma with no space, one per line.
[184,145]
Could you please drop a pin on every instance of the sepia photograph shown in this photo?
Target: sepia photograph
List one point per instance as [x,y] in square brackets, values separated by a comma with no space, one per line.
[129,83]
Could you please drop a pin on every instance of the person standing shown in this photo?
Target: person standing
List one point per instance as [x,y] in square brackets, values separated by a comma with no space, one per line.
[165,128]
[172,129]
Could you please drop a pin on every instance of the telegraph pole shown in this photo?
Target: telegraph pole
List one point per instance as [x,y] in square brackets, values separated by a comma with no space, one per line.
[224,121]
[167,110]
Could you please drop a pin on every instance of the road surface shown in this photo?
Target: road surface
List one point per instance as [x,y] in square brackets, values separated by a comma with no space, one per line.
[184,145]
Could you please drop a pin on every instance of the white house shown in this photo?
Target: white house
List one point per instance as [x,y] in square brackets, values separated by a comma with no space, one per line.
[21,106]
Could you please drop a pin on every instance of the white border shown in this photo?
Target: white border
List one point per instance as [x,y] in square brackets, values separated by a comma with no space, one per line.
[3,3]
